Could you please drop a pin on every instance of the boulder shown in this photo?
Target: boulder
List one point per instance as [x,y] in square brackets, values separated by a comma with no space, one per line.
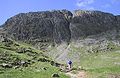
[6,65]
[55,75]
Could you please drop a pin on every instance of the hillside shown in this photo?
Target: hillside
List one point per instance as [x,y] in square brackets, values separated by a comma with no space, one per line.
[20,60]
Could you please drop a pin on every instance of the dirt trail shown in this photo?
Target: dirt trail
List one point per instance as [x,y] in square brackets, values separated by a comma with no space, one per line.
[80,74]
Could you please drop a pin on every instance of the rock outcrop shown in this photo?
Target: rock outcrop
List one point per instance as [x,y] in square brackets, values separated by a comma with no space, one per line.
[59,26]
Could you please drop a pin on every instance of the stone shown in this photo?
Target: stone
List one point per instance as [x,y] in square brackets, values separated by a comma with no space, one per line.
[43,60]
[55,75]
[6,65]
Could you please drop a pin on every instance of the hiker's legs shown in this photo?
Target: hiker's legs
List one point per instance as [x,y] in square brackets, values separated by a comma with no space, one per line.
[69,66]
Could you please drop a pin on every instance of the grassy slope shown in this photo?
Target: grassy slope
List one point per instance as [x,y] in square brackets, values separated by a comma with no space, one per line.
[34,70]
[100,64]
[97,65]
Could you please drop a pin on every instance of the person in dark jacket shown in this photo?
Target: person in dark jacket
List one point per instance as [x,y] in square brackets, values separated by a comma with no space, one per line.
[69,65]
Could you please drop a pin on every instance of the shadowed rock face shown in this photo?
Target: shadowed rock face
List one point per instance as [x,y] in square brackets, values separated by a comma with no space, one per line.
[60,25]
[118,21]
[43,26]
[85,23]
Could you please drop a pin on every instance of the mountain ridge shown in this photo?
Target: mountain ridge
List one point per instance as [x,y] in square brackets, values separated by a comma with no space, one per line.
[58,26]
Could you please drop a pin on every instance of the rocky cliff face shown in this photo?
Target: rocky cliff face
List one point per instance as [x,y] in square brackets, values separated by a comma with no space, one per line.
[118,21]
[85,23]
[43,26]
[59,26]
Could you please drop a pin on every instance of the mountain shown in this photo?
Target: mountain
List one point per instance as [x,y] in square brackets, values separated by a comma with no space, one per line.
[43,26]
[58,30]
[90,39]
[59,25]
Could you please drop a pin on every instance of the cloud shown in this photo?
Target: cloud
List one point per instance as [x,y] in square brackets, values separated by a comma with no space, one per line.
[85,4]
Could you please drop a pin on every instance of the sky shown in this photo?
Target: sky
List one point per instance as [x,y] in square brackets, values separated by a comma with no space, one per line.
[9,8]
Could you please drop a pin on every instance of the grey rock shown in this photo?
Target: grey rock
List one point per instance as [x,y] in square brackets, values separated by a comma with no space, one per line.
[43,26]
[6,65]
[55,75]
[85,23]
[55,27]
[118,21]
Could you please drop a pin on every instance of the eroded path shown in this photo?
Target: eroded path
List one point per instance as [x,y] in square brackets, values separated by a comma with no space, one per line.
[80,74]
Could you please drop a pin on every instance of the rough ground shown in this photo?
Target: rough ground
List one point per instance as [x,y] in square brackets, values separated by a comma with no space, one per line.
[80,74]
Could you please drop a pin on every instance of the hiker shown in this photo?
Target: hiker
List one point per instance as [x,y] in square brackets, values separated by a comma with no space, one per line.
[69,65]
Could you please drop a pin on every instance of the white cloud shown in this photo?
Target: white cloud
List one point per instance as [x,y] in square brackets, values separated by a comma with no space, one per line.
[85,4]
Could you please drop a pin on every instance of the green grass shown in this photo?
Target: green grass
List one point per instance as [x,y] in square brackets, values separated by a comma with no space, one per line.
[100,64]
[34,71]
[97,65]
